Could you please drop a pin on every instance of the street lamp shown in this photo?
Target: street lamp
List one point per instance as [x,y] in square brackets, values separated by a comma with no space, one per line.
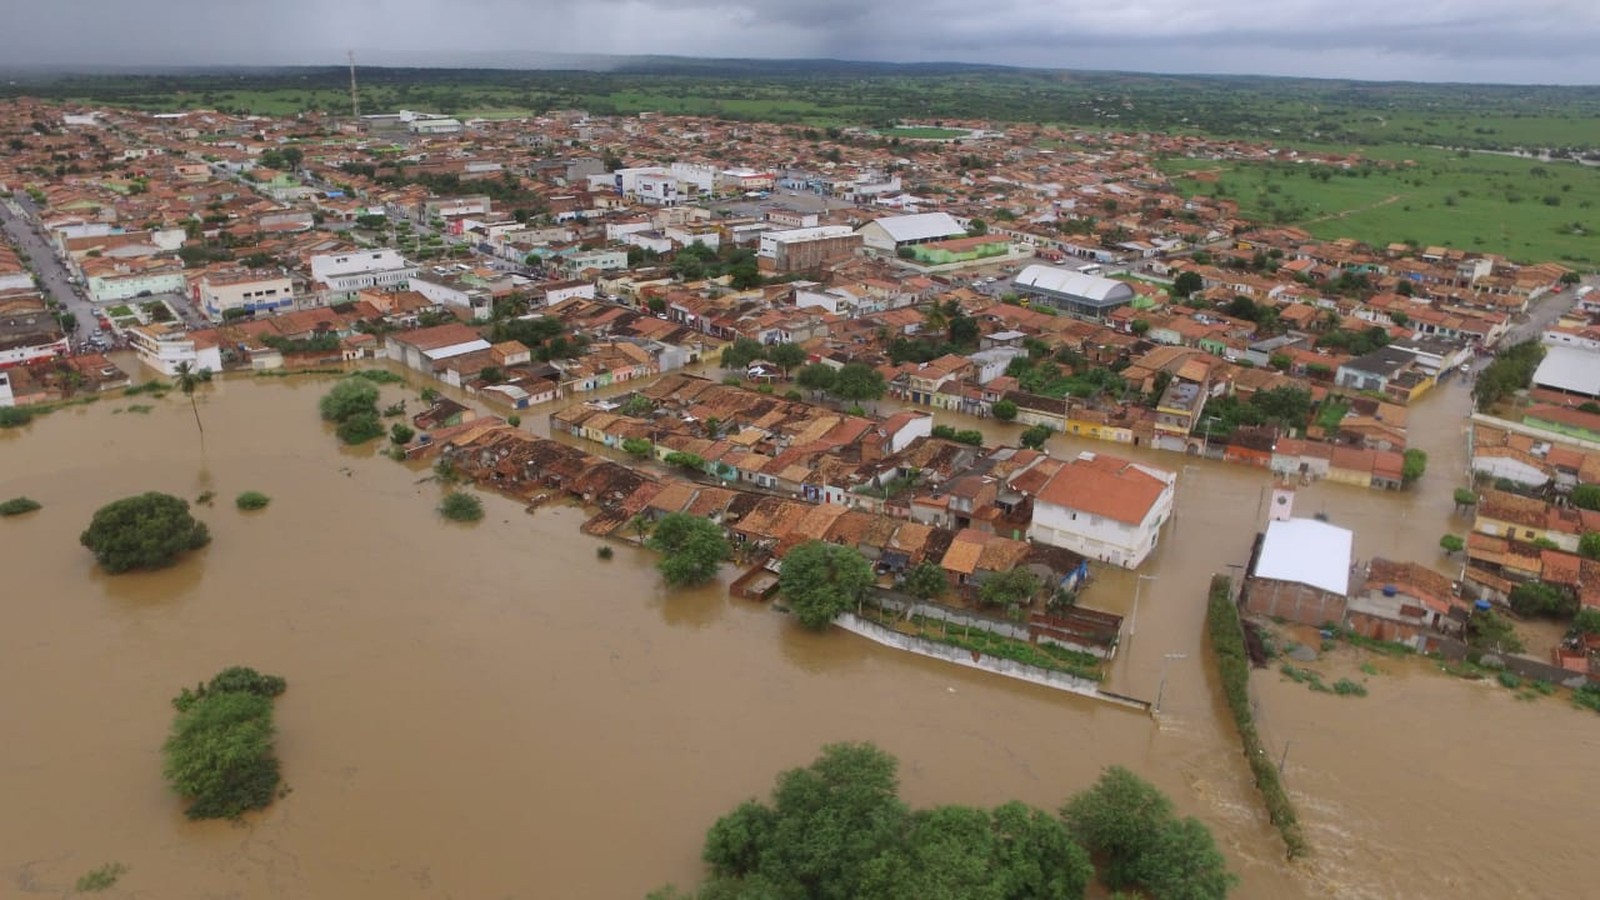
[1162,689]
[1133,620]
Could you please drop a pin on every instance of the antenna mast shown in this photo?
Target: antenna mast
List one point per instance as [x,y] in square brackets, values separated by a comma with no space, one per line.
[355,99]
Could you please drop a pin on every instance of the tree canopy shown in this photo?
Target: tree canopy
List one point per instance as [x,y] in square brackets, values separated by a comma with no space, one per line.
[817,377]
[691,548]
[146,531]
[819,580]
[837,829]
[219,755]
[858,382]
[1128,824]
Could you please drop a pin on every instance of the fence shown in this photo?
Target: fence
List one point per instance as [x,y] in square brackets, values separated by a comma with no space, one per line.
[1060,681]
[1063,631]
[1455,651]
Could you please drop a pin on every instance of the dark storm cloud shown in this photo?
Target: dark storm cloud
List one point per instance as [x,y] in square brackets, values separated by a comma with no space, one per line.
[1466,40]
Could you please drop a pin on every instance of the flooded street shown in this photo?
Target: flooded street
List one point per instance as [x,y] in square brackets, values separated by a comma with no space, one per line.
[490,711]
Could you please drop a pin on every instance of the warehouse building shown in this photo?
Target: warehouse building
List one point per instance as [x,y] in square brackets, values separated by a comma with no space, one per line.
[1074,293]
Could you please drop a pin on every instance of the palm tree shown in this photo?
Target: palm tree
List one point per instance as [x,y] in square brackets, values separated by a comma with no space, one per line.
[187,378]
[641,525]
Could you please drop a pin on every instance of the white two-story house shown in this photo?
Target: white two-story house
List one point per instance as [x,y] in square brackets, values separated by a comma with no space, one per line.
[1108,509]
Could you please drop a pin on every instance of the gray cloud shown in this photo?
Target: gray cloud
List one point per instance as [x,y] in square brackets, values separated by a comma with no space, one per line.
[1543,41]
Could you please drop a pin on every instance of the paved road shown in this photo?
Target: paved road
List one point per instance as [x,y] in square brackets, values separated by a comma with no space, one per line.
[1541,315]
[20,229]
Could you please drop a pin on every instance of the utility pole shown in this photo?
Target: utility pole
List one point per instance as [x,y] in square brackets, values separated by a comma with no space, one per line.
[1162,689]
[1133,620]
[1285,757]
[355,98]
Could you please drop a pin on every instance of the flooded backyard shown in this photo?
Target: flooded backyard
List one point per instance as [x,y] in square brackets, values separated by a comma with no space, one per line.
[491,711]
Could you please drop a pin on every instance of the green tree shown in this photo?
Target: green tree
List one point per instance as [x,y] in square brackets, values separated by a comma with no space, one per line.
[858,382]
[786,356]
[1187,283]
[1587,621]
[685,460]
[401,434]
[219,755]
[827,826]
[145,531]
[1010,589]
[1140,327]
[1117,821]
[819,580]
[741,353]
[1004,410]
[637,447]
[349,397]
[1034,436]
[186,378]
[359,428]
[1488,630]
[250,501]
[1589,545]
[691,549]
[1184,864]
[1452,543]
[817,377]
[1413,463]
[1536,598]
[925,581]
[1586,496]
[1465,497]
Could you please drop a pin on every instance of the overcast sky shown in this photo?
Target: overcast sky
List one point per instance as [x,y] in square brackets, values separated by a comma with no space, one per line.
[1538,41]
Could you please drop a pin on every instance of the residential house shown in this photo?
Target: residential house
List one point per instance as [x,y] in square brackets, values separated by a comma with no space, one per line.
[1105,508]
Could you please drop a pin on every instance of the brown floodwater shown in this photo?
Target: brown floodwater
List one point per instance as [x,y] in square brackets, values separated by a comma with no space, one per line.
[490,711]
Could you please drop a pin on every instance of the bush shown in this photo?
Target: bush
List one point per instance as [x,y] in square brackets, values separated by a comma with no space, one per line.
[15,416]
[146,531]
[219,755]
[401,434]
[350,397]
[514,420]
[252,500]
[1344,687]
[1004,410]
[360,428]
[604,551]
[16,506]
[459,506]
[100,879]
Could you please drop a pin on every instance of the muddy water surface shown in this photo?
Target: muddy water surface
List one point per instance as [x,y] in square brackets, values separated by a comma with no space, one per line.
[490,711]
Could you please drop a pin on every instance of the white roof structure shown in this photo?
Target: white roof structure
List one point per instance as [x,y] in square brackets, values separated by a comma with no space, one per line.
[920,227]
[1077,284]
[454,350]
[1306,551]
[1572,369]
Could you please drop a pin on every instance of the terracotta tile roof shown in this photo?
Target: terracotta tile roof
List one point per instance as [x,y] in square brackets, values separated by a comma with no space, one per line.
[1104,486]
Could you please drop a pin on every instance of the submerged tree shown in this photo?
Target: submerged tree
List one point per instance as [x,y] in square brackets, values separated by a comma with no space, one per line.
[187,378]
[146,531]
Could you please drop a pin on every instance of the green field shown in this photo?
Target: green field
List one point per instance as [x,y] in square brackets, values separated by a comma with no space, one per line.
[823,92]
[921,132]
[1524,209]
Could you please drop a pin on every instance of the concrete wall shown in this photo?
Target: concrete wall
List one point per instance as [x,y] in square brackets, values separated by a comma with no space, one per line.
[1009,668]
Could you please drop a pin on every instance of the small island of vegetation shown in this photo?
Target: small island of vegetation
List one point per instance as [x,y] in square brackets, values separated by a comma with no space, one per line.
[146,531]
[219,756]
[838,828]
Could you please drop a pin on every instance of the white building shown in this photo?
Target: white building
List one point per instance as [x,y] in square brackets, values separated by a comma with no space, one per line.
[1104,508]
[164,346]
[251,290]
[657,190]
[118,282]
[892,232]
[346,273]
